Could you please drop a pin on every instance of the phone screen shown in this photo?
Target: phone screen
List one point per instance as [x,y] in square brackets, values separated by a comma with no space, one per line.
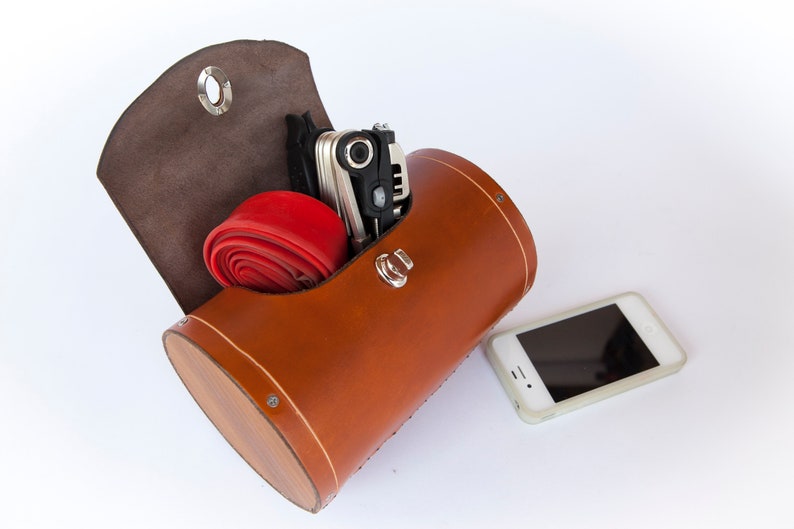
[586,351]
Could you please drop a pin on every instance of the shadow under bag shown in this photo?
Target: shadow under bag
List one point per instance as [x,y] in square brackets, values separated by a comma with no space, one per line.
[306,386]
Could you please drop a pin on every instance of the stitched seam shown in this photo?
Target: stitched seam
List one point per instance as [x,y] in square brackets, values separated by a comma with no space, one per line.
[515,234]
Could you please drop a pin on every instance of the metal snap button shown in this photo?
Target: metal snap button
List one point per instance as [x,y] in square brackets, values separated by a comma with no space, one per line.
[393,267]
[212,80]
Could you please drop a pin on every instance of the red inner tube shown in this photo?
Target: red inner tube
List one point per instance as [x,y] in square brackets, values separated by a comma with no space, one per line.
[278,241]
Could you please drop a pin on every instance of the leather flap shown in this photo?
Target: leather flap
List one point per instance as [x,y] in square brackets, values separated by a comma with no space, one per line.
[175,170]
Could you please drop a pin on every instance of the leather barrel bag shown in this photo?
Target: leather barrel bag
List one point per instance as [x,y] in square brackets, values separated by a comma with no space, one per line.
[306,385]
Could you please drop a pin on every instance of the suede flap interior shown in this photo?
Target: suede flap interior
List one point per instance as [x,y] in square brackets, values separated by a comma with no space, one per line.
[175,171]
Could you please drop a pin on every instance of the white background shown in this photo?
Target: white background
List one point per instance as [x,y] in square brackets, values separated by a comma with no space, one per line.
[649,146]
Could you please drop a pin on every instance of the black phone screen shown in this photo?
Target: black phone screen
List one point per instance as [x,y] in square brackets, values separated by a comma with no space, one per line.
[586,351]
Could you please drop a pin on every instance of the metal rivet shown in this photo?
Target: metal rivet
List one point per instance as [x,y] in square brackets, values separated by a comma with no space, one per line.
[224,99]
[182,321]
[273,401]
[500,197]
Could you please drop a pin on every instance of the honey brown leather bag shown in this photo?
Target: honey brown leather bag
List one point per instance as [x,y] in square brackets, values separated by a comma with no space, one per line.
[306,386]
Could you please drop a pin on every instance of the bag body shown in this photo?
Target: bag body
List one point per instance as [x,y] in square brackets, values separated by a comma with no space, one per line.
[307,386]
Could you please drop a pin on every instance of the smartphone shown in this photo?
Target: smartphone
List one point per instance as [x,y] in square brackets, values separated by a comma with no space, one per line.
[561,363]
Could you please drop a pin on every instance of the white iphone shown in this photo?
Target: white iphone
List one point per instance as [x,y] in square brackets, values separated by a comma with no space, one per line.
[582,356]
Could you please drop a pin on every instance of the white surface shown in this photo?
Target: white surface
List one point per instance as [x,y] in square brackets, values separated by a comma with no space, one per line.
[649,146]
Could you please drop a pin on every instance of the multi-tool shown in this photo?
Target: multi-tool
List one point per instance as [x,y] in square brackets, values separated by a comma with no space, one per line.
[360,174]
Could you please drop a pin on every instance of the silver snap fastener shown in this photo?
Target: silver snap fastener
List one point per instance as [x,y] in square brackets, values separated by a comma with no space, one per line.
[273,401]
[393,267]
[214,90]
[182,321]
